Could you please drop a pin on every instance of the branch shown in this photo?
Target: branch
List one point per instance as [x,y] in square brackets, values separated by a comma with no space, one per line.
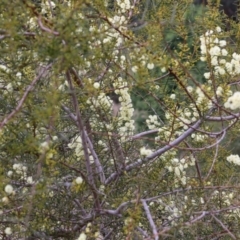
[70,114]
[80,128]
[51,8]
[204,213]
[213,134]
[45,28]
[103,73]
[144,233]
[77,78]
[222,118]
[150,219]
[119,154]
[157,153]
[90,145]
[142,134]
[24,33]
[224,227]
[96,159]
[208,146]
[22,100]
[213,162]
[196,164]
[185,89]
[93,188]
[3,36]
[119,209]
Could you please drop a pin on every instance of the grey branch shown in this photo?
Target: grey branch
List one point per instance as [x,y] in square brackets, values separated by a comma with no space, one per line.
[157,153]
[150,219]
[90,145]
[80,129]
[96,159]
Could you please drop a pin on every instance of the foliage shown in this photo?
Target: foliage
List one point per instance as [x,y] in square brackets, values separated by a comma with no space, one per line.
[118,120]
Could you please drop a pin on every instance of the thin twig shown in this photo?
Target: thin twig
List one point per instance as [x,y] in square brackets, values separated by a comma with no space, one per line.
[45,28]
[117,211]
[142,134]
[208,146]
[99,167]
[213,162]
[51,8]
[202,215]
[22,100]
[223,226]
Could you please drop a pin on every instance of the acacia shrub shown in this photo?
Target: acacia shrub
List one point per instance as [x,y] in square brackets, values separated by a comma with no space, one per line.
[73,170]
